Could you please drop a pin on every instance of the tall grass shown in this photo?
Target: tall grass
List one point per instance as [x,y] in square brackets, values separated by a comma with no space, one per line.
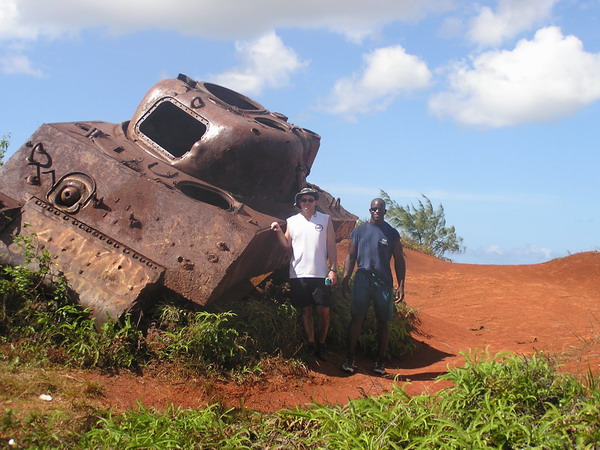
[274,324]
[40,324]
[493,403]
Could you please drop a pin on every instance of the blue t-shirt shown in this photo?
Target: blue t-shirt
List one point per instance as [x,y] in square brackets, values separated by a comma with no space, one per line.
[374,248]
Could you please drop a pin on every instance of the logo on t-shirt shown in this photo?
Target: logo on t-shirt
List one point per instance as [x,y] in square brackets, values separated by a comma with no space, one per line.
[383,241]
[319,227]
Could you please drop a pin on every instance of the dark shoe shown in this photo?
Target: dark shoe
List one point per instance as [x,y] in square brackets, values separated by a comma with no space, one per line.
[322,352]
[379,368]
[348,366]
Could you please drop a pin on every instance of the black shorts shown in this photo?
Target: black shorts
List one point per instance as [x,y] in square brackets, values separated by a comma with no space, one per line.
[310,291]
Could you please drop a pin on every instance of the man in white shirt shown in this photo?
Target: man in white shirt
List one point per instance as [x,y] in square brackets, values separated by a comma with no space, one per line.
[311,237]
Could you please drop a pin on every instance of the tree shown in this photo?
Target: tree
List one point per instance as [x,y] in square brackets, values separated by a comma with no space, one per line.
[3,147]
[422,227]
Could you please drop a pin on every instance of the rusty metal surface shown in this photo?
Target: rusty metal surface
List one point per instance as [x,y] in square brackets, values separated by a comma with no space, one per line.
[181,196]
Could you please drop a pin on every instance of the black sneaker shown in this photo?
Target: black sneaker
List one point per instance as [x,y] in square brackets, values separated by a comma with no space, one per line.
[322,352]
[379,368]
[348,366]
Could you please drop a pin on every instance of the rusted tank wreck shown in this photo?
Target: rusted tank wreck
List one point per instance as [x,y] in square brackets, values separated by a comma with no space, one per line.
[179,197]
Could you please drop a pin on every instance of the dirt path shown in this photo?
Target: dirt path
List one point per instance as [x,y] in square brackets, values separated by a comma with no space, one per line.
[552,307]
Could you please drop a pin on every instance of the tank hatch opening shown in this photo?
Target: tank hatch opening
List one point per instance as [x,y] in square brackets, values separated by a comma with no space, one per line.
[232,98]
[270,123]
[172,128]
[205,195]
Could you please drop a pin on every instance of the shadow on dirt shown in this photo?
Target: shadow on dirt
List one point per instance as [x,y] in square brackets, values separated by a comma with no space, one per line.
[424,356]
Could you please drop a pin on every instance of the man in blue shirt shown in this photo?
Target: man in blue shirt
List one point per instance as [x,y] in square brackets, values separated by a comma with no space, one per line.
[371,248]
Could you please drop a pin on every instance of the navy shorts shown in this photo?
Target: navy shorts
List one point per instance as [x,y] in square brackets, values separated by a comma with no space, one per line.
[310,291]
[369,288]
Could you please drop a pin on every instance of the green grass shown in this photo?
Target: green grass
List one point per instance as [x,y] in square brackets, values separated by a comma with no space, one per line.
[505,401]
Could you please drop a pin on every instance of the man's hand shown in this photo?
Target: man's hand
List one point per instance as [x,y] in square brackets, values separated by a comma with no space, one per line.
[333,277]
[275,226]
[399,294]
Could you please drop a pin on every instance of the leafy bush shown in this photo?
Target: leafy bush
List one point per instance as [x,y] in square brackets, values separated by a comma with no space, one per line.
[273,325]
[482,410]
[423,228]
[4,143]
[400,342]
[201,340]
[517,401]
[40,322]
[503,402]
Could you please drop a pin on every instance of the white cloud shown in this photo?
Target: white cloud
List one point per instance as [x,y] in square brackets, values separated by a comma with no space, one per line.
[495,250]
[512,17]
[498,255]
[533,251]
[266,62]
[207,18]
[388,72]
[438,195]
[549,77]
[18,64]
[525,254]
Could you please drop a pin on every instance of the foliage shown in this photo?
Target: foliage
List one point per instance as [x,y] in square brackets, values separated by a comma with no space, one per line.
[4,144]
[275,325]
[269,322]
[199,341]
[43,324]
[495,402]
[423,228]
[400,343]
[506,401]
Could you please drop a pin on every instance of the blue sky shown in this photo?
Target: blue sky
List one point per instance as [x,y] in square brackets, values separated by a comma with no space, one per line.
[489,108]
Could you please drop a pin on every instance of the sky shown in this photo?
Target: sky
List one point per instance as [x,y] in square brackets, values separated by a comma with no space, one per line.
[489,109]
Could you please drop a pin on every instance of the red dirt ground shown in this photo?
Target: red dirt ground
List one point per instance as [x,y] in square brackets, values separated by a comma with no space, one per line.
[552,307]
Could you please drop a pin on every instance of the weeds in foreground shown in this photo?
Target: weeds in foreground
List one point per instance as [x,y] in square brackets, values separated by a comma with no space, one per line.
[506,401]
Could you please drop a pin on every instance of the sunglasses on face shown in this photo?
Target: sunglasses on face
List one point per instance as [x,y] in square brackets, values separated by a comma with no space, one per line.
[377,209]
[307,199]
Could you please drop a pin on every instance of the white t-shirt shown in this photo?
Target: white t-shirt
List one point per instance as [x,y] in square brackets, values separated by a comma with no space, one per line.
[309,245]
